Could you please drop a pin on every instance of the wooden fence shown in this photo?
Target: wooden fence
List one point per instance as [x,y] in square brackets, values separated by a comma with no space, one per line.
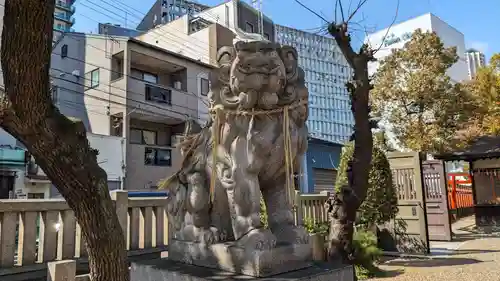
[311,206]
[40,237]
[460,198]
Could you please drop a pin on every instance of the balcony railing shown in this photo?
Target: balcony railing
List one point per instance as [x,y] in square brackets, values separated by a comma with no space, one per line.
[64,17]
[158,94]
[65,6]
[64,29]
[12,156]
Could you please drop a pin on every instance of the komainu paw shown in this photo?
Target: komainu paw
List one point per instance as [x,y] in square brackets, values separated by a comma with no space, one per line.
[258,239]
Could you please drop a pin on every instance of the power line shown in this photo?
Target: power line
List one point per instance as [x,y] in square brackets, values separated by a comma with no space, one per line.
[123,75]
[129,99]
[125,98]
[168,41]
[75,37]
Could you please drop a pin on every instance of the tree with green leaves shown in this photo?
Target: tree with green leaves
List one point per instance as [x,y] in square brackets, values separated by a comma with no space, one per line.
[413,92]
[380,204]
[485,92]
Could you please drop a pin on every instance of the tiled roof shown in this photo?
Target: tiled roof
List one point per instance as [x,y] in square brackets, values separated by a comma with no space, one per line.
[482,148]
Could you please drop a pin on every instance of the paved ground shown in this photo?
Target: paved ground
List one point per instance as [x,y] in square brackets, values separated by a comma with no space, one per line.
[469,258]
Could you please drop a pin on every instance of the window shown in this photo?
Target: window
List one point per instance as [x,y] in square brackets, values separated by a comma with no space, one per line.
[138,136]
[205,86]
[266,36]
[157,157]
[150,78]
[64,51]
[158,94]
[36,196]
[92,78]
[249,27]
[145,76]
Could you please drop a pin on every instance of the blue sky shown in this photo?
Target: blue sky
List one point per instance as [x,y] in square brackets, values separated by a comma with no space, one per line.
[476,20]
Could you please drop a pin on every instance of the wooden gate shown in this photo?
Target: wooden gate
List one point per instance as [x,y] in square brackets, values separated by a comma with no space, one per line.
[436,200]
[409,229]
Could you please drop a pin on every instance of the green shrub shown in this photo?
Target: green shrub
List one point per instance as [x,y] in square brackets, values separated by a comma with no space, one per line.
[366,254]
[365,249]
[321,228]
[380,204]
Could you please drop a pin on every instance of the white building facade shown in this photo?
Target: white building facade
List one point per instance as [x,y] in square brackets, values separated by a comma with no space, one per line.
[475,60]
[401,33]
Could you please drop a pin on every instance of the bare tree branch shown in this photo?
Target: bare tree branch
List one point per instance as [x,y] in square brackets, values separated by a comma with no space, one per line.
[312,11]
[350,6]
[389,28]
[341,10]
[360,4]
[336,6]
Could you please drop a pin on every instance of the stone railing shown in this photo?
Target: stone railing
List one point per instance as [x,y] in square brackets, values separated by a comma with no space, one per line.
[35,232]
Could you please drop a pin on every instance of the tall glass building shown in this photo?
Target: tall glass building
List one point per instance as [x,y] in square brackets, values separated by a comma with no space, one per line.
[326,72]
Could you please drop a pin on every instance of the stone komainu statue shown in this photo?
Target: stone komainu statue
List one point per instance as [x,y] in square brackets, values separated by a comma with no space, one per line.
[255,83]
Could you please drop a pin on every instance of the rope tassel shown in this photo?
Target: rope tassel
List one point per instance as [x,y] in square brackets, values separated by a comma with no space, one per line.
[290,185]
[215,136]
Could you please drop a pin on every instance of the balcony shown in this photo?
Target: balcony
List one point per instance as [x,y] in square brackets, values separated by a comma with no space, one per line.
[156,89]
[64,28]
[158,94]
[65,17]
[12,156]
[157,103]
[68,7]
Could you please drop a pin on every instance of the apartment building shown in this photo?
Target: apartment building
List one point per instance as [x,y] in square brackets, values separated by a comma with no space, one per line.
[195,30]
[199,36]
[125,87]
[164,11]
[63,17]
[236,15]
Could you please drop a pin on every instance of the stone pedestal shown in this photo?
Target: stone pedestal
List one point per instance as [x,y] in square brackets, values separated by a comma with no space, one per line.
[165,269]
[231,258]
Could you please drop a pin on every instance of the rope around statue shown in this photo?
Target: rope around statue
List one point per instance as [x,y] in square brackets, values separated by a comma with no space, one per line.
[217,110]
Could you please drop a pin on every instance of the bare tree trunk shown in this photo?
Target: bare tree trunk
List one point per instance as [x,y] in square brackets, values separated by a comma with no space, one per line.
[344,205]
[59,145]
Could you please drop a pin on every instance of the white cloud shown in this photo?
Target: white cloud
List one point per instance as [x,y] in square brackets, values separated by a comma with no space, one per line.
[480,46]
